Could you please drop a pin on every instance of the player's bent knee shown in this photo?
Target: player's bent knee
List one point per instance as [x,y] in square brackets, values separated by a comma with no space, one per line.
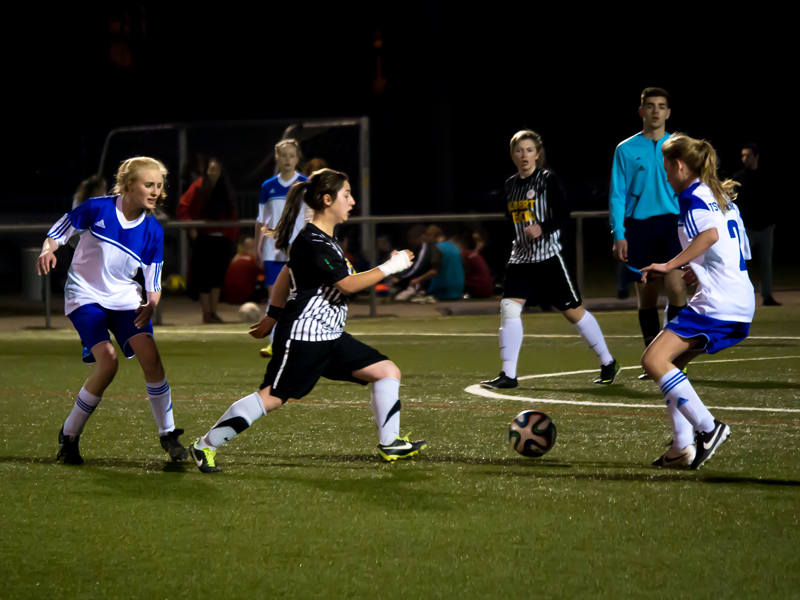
[510,309]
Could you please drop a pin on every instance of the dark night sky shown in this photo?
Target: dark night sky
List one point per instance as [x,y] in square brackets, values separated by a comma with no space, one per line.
[459,84]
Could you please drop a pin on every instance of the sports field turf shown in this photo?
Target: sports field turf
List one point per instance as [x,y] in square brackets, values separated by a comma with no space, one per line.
[305,509]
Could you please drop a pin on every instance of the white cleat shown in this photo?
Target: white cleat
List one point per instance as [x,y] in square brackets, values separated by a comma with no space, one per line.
[677,458]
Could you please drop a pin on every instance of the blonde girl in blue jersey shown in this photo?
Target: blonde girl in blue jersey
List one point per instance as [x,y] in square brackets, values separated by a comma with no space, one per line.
[718,316]
[121,236]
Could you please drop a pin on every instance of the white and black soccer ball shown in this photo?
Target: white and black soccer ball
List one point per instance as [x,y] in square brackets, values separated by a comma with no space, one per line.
[249,312]
[532,433]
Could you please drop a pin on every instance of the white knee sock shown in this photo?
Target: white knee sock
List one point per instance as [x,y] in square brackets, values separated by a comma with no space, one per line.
[676,388]
[593,336]
[510,335]
[682,430]
[385,404]
[160,397]
[84,406]
[239,416]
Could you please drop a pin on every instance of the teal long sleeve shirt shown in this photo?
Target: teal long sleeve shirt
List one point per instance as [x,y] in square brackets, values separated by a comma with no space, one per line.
[639,187]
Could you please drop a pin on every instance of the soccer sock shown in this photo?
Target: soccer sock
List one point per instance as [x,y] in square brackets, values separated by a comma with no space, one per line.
[648,322]
[682,430]
[510,344]
[385,404]
[672,311]
[239,416]
[85,404]
[592,335]
[160,397]
[677,389]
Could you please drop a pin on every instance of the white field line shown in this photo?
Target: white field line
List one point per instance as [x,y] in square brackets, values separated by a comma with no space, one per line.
[477,390]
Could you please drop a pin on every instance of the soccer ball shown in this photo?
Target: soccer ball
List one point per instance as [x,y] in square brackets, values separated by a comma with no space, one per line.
[532,433]
[249,312]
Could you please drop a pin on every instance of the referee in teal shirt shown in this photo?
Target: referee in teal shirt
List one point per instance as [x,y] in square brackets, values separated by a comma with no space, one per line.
[644,212]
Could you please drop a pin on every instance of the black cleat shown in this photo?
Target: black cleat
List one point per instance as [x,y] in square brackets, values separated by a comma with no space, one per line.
[770,301]
[69,453]
[173,446]
[401,447]
[608,373]
[707,443]
[501,382]
[204,458]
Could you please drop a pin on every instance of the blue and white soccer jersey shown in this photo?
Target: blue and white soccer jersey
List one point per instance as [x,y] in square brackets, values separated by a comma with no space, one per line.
[270,208]
[723,306]
[106,259]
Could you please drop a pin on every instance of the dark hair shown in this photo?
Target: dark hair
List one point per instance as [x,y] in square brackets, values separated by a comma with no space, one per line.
[323,182]
[88,188]
[655,92]
[217,201]
[751,146]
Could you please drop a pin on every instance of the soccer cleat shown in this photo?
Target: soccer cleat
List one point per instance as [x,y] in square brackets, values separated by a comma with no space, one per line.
[501,382]
[643,377]
[266,352]
[676,458]
[204,458]
[770,301]
[172,445]
[401,448]
[608,373]
[68,454]
[707,443]
[406,294]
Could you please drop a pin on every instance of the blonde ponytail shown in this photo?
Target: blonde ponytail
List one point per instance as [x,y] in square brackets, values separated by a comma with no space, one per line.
[701,158]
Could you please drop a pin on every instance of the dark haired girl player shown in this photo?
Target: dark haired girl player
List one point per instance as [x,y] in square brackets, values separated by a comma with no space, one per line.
[309,305]
[101,294]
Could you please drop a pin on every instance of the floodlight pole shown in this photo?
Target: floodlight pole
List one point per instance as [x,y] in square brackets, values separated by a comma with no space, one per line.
[368,228]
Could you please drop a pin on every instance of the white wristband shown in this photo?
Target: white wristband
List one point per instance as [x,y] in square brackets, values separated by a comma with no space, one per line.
[397,263]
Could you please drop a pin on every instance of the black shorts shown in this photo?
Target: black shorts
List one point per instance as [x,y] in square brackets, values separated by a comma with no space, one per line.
[547,280]
[653,240]
[296,366]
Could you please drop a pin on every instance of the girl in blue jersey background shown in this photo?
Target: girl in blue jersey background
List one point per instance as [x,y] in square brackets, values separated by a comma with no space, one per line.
[718,316]
[101,296]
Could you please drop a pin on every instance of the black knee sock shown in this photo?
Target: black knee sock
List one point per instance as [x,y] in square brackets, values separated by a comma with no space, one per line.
[672,311]
[648,322]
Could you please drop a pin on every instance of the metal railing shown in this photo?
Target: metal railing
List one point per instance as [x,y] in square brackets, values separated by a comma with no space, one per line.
[368,225]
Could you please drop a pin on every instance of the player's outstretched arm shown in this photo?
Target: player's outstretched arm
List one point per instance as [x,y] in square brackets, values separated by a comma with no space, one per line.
[47,258]
[398,262]
[699,246]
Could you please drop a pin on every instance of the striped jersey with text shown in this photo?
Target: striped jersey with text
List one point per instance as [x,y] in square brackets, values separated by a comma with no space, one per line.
[540,199]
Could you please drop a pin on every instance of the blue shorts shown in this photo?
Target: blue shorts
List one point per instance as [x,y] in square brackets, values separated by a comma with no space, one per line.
[719,334]
[272,268]
[93,322]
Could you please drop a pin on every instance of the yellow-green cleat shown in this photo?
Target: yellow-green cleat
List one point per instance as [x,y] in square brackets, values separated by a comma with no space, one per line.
[204,458]
[266,352]
[401,447]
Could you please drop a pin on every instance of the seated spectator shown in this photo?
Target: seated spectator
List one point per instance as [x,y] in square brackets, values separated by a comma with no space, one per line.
[446,274]
[478,279]
[242,274]
[210,198]
[415,241]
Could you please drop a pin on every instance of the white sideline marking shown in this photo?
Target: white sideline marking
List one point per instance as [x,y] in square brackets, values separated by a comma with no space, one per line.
[477,390]
[167,330]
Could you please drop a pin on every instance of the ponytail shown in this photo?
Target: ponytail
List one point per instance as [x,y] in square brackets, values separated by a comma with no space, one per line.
[325,182]
[701,158]
[294,201]
[724,191]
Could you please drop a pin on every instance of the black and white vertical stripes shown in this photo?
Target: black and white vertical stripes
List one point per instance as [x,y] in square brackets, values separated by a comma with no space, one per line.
[528,203]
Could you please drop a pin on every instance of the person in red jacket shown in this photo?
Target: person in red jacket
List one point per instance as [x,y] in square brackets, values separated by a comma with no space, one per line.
[210,198]
[478,279]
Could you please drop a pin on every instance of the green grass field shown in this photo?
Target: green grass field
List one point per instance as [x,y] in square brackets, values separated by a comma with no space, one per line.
[305,509]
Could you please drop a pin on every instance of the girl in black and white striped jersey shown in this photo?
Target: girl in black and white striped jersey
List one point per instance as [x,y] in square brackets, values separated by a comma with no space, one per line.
[309,304]
[536,272]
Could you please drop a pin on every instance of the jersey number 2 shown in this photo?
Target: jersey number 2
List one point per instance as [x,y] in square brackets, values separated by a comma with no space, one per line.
[733,229]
